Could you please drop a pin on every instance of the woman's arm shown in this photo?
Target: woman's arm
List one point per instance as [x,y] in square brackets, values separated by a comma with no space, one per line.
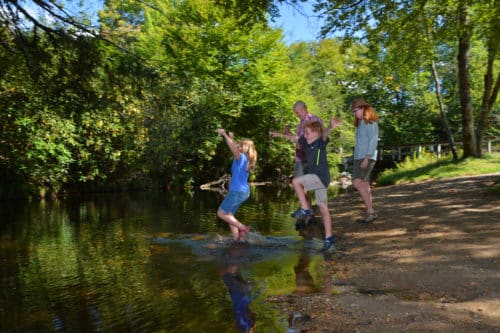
[372,131]
[370,144]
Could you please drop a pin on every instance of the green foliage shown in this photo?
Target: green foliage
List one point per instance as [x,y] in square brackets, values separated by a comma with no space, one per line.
[331,70]
[44,156]
[143,103]
[335,164]
[428,166]
[63,124]
[214,69]
[404,39]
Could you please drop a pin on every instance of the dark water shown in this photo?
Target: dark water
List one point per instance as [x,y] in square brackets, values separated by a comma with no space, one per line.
[151,262]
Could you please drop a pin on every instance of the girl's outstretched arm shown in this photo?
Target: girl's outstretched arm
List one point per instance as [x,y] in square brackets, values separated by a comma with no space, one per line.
[233,145]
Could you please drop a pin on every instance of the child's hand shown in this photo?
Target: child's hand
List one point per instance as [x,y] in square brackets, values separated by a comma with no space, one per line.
[335,122]
[220,131]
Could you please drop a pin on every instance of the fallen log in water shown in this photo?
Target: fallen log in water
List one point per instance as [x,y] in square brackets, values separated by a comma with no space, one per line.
[220,184]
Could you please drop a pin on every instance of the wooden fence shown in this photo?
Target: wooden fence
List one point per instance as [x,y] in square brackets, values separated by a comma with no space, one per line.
[388,155]
[399,152]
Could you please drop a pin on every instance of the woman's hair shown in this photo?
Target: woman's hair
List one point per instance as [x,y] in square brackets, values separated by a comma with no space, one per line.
[315,126]
[369,114]
[248,148]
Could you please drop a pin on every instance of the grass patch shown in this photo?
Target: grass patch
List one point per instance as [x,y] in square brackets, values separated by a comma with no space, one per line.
[428,167]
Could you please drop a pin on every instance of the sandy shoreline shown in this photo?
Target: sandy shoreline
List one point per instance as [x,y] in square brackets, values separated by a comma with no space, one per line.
[429,263]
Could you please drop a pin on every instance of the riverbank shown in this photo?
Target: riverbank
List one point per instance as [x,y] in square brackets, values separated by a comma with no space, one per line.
[429,263]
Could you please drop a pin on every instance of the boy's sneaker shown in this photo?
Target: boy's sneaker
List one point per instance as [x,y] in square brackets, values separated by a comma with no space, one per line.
[328,243]
[300,225]
[302,212]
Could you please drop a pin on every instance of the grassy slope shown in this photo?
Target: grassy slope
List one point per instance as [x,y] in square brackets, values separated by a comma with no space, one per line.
[429,167]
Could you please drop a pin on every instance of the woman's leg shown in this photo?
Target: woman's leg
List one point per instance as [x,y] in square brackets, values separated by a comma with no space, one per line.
[365,192]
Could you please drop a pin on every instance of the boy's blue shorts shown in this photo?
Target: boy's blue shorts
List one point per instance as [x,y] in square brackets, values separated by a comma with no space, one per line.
[233,201]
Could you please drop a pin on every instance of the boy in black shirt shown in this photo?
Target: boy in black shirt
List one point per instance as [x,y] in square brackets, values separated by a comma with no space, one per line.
[314,142]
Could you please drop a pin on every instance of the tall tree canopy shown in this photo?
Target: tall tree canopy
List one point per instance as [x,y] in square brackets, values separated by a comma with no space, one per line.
[418,32]
[133,97]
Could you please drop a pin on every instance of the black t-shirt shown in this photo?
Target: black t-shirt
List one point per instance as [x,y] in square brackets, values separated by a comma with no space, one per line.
[316,158]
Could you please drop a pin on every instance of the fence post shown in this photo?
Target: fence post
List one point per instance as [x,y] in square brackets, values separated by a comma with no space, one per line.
[439,150]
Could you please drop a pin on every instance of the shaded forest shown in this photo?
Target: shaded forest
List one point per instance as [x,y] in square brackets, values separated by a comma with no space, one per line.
[131,99]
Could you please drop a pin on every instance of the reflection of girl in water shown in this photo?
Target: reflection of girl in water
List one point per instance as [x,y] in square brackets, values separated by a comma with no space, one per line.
[239,290]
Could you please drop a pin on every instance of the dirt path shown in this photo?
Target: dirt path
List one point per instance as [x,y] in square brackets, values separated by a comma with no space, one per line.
[429,263]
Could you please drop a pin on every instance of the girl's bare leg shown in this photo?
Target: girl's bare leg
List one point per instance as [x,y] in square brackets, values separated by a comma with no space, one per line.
[234,224]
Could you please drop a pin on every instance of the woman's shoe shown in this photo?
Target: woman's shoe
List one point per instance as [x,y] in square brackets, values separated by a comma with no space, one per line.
[370,218]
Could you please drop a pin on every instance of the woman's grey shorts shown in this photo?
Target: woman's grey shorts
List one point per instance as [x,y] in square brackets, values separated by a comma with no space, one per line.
[363,174]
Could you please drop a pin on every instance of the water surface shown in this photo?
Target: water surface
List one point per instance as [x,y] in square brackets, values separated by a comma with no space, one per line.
[151,262]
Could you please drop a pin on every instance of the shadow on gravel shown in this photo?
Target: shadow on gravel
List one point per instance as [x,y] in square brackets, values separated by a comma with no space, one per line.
[430,262]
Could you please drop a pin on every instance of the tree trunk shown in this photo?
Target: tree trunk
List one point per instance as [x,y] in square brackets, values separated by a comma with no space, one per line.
[444,119]
[491,88]
[468,135]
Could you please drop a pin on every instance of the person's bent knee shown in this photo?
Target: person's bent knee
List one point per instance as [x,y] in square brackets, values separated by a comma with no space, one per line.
[296,181]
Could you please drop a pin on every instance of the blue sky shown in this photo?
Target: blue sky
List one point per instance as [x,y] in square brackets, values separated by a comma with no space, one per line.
[298,22]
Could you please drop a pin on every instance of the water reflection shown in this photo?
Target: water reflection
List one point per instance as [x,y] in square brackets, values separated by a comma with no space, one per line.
[311,230]
[239,289]
[142,262]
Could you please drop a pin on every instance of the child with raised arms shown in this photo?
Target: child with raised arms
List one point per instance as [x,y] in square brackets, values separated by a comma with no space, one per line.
[314,142]
[244,161]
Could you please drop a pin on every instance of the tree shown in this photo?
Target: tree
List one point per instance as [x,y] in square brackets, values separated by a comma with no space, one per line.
[464,39]
[490,35]
[70,118]
[210,66]
[387,21]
